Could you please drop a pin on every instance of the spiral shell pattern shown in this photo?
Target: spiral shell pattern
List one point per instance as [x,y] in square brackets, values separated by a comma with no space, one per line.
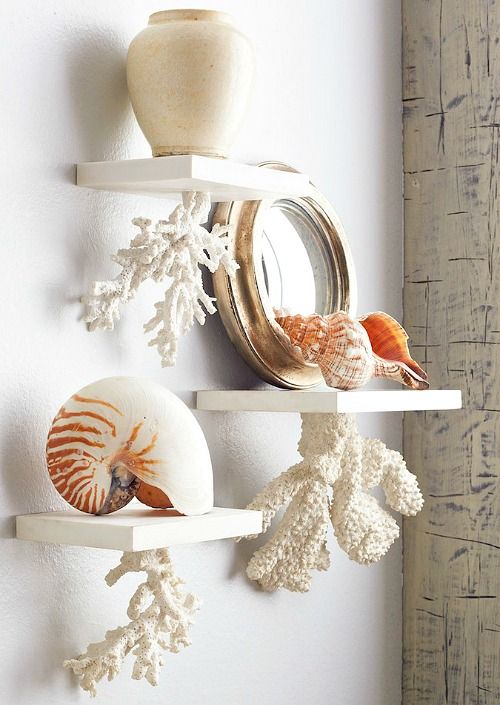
[351,351]
[122,434]
[337,343]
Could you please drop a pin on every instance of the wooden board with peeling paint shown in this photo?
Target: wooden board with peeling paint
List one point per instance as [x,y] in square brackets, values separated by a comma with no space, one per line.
[451,92]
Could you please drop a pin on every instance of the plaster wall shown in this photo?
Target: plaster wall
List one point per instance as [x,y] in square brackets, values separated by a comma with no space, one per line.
[327,101]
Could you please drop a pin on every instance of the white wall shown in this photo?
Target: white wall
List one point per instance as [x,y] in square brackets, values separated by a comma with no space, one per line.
[328,102]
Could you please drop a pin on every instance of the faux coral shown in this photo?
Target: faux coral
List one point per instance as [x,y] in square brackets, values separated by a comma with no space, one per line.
[332,482]
[174,250]
[160,615]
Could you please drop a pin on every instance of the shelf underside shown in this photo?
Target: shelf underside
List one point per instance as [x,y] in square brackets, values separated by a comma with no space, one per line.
[169,176]
[329,401]
[137,529]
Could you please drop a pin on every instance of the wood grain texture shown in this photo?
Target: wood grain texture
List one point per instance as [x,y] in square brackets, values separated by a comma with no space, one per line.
[451,92]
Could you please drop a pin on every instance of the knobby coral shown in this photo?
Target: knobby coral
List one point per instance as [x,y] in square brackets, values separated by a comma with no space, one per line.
[175,249]
[158,608]
[332,482]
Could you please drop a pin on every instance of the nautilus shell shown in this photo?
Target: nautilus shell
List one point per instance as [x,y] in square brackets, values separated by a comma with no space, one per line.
[351,351]
[123,437]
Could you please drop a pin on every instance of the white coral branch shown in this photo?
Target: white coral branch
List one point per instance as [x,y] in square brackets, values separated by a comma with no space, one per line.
[387,468]
[285,563]
[277,493]
[158,609]
[337,461]
[174,250]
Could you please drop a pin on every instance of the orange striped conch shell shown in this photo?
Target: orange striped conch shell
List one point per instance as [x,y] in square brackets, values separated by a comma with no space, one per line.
[351,351]
[123,437]
[389,342]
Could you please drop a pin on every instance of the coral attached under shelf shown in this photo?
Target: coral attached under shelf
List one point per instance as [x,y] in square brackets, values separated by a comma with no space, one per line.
[332,482]
[160,616]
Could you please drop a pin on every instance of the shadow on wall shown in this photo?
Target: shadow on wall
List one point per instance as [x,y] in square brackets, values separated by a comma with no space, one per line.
[97,86]
[25,484]
[101,127]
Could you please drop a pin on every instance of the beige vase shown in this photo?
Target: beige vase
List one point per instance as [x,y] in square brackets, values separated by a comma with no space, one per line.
[189,76]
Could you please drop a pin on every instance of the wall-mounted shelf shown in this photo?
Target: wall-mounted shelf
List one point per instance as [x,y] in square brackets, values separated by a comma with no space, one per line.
[137,529]
[329,401]
[166,176]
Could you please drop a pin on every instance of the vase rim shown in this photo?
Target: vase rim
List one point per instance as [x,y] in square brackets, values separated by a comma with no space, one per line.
[190,15]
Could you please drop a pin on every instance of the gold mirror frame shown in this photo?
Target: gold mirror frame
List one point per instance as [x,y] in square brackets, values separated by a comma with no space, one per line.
[243,303]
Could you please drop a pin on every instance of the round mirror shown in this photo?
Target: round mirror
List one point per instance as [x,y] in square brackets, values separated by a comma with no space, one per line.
[296,267]
[293,258]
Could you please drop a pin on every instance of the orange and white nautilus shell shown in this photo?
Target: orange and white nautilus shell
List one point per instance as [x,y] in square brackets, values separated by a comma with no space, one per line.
[351,351]
[123,437]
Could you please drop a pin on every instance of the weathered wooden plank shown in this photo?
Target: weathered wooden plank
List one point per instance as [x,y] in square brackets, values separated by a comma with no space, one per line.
[451,113]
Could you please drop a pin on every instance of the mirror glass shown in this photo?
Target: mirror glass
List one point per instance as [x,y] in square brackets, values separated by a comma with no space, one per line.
[293,257]
[296,266]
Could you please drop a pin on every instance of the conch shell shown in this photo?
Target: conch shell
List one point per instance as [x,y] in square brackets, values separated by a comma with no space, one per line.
[123,437]
[351,351]
[389,342]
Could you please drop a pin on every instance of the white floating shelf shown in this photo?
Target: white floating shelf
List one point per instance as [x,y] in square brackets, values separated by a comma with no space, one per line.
[137,529]
[164,176]
[329,401]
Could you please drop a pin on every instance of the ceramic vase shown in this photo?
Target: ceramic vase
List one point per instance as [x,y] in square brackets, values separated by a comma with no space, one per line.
[189,76]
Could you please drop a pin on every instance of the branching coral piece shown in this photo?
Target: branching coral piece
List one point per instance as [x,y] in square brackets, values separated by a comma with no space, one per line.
[175,249]
[338,469]
[299,544]
[157,608]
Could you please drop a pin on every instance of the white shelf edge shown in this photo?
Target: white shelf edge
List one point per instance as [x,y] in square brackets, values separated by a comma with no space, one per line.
[163,176]
[329,401]
[137,529]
